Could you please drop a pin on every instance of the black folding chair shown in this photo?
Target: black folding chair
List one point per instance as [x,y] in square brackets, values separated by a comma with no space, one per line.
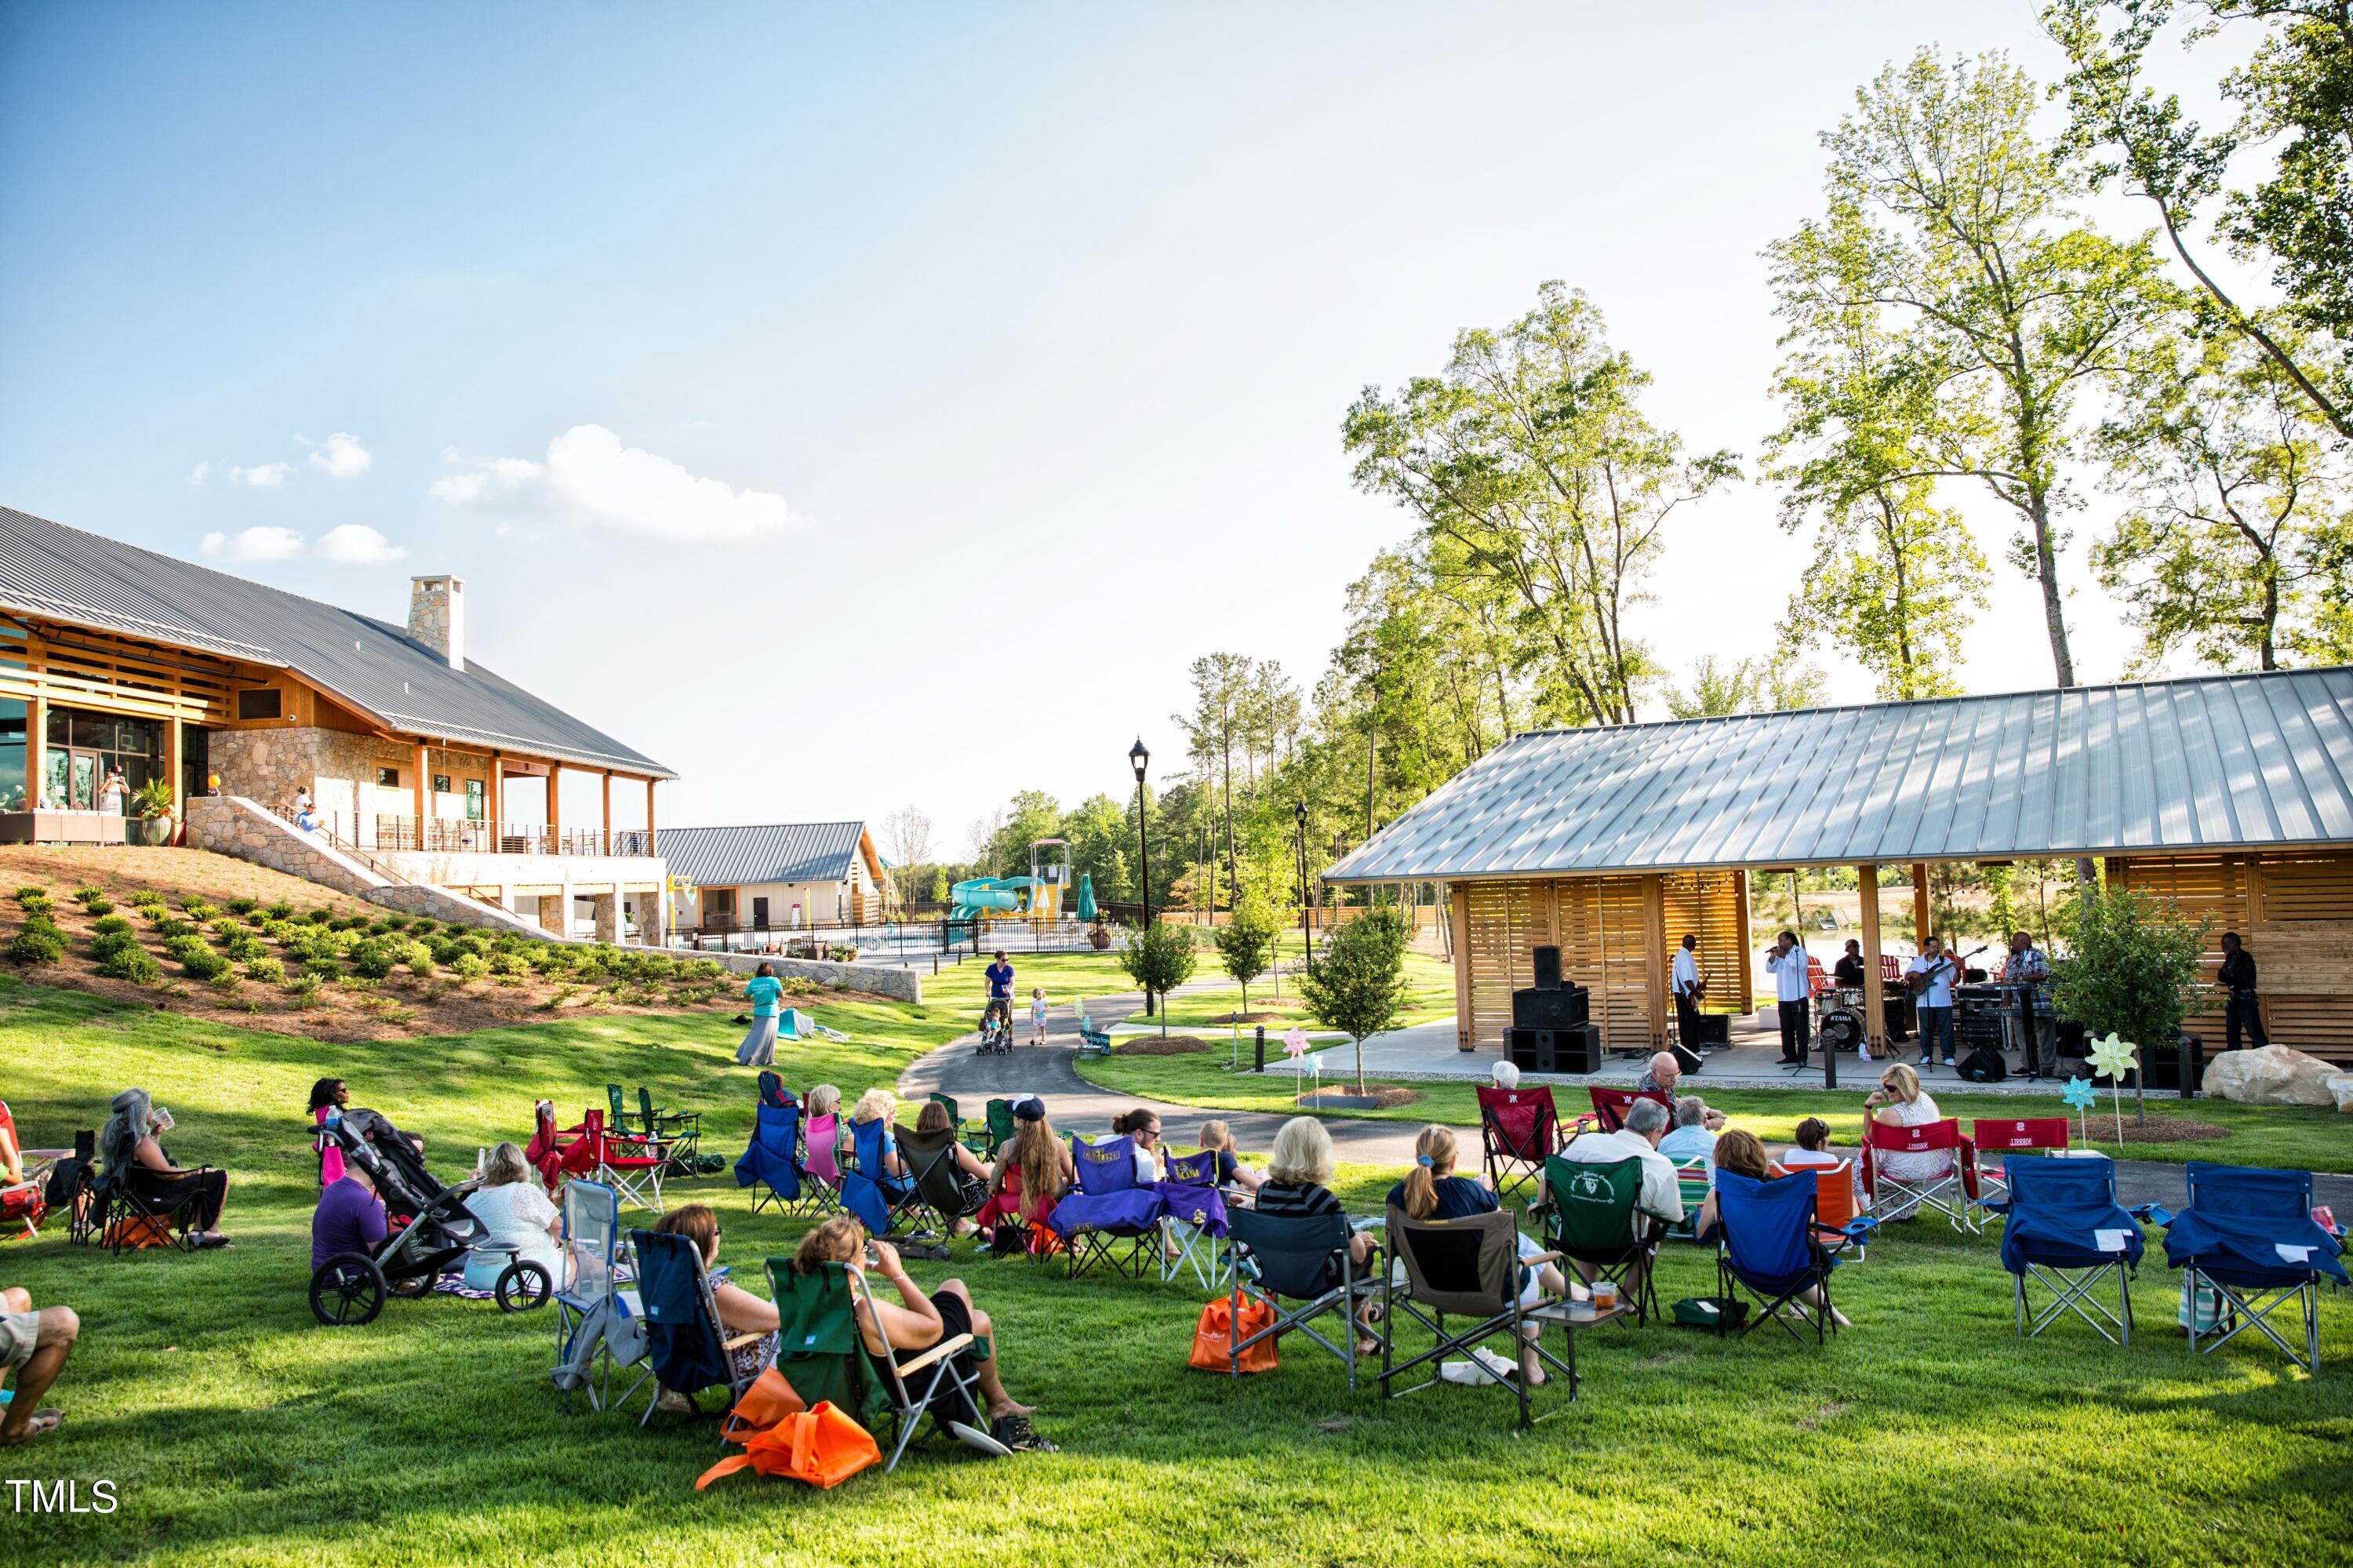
[935,1201]
[128,1208]
[1468,1268]
[1303,1259]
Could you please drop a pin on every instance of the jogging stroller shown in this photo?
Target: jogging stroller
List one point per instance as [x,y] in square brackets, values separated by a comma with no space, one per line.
[429,1231]
[996,1029]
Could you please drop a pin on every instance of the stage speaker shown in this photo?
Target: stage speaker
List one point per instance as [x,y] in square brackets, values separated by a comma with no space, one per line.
[1547,964]
[1564,1007]
[2166,1064]
[1711,1029]
[1576,1050]
[1689,1059]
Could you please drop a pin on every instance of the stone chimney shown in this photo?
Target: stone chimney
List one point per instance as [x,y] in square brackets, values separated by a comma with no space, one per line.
[437,617]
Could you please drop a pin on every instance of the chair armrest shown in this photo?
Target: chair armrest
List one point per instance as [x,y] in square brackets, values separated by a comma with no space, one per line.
[2156,1213]
[739,1341]
[1542,1257]
[944,1348]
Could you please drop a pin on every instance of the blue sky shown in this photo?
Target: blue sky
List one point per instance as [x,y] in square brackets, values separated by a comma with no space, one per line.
[859,407]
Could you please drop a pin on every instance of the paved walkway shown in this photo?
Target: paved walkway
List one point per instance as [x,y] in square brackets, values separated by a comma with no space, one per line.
[1049,1072]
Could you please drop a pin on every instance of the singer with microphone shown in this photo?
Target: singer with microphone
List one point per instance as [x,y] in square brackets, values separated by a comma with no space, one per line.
[1794,987]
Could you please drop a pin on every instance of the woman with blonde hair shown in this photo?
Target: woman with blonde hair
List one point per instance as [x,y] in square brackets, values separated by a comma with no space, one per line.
[1899,1101]
[917,1322]
[521,1219]
[882,1105]
[1298,1185]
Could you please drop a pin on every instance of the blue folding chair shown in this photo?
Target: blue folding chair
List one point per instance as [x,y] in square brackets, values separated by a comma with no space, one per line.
[2067,1233]
[771,1162]
[686,1348]
[598,1325]
[868,1188]
[1108,1207]
[1196,1219]
[1769,1245]
[2249,1236]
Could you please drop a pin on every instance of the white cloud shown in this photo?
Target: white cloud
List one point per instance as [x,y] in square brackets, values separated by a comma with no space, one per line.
[499,473]
[253,544]
[267,476]
[340,456]
[631,489]
[196,474]
[357,544]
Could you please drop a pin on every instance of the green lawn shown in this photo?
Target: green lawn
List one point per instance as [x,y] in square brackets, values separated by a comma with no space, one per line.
[237,1433]
[1069,977]
[2304,1137]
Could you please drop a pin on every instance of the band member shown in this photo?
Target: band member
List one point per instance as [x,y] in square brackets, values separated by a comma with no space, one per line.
[1847,971]
[2025,975]
[1930,977]
[1794,987]
[1684,983]
[2239,1004]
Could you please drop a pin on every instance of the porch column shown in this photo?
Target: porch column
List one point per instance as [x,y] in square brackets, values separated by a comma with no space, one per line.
[1654,935]
[1919,904]
[497,803]
[171,742]
[556,911]
[37,736]
[608,813]
[555,807]
[649,818]
[1748,981]
[606,910]
[1874,992]
[1459,912]
[419,787]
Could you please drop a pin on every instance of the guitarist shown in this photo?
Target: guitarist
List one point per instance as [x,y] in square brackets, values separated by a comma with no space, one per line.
[1930,976]
[1687,987]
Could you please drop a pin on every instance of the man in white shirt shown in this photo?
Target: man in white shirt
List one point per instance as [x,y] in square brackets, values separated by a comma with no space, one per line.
[1934,990]
[1683,984]
[1787,959]
[1661,1200]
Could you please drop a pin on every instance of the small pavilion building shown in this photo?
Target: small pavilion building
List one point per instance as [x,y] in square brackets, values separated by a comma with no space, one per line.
[2226,795]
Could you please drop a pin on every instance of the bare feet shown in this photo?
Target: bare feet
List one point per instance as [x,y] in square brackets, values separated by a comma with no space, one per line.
[40,1423]
[1007,1407]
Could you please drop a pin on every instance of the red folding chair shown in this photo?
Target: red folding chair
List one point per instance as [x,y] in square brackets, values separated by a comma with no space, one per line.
[1953,1194]
[1518,1130]
[1610,1106]
[558,1153]
[630,1163]
[23,1204]
[2037,1133]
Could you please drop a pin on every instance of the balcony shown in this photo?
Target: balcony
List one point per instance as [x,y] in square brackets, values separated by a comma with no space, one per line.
[380,833]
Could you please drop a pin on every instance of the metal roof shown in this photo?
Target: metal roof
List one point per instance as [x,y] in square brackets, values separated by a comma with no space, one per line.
[780,852]
[57,573]
[2211,762]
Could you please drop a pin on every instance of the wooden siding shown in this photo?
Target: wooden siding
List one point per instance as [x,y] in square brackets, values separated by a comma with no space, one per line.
[1601,925]
[2296,913]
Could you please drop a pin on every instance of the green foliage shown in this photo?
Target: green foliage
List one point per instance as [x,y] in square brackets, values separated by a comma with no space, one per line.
[168,927]
[34,900]
[320,917]
[183,946]
[509,964]
[130,961]
[374,959]
[240,907]
[470,968]
[419,959]
[106,943]
[324,969]
[37,945]
[1158,958]
[1246,944]
[30,890]
[203,964]
[1356,984]
[279,910]
[108,925]
[155,799]
[94,900]
[198,909]
[395,921]
[2131,966]
[265,969]
[1745,687]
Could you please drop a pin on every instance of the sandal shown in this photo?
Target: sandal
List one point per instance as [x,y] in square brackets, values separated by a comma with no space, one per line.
[43,1423]
[214,1240]
[1016,1433]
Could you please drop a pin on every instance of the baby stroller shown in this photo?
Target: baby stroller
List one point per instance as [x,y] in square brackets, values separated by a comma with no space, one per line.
[996,1029]
[428,1230]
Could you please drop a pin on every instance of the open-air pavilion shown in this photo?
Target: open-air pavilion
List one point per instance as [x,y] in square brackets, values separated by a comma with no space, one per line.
[2228,795]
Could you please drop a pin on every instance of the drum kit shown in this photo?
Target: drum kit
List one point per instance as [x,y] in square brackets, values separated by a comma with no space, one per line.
[1840,1023]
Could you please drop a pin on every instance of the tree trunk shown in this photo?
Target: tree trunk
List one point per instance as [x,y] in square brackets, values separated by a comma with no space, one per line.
[1360,1066]
[2046,569]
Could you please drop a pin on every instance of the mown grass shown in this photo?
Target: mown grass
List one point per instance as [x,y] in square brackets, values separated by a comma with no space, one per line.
[237,1433]
[2305,1138]
[1070,977]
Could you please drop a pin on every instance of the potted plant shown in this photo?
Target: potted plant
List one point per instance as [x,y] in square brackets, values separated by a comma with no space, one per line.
[155,803]
[1099,933]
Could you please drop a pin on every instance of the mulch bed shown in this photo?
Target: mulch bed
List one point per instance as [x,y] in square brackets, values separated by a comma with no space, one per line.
[2160,1130]
[1251,1018]
[1387,1096]
[1169,1045]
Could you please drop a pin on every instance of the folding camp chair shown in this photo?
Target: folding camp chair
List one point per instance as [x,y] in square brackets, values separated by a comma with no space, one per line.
[1768,1244]
[686,1348]
[1195,1222]
[1108,1207]
[1610,1108]
[1000,1129]
[934,1199]
[869,1189]
[679,1132]
[2026,1135]
[1093,1040]
[25,1203]
[1303,1259]
[629,1164]
[2065,1233]
[133,1216]
[73,1187]
[1836,1222]
[1694,1178]
[2249,1236]
[771,1162]
[821,1353]
[1517,1130]
[598,1325]
[1594,1216]
[1953,1194]
[1468,1268]
[821,1164]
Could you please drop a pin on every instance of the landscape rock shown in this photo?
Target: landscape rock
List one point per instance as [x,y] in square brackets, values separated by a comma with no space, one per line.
[2341,1085]
[2275,1075]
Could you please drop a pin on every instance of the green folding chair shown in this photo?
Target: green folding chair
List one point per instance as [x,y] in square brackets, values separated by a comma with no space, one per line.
[1593,1216]
[1000,1128]
[680,1131]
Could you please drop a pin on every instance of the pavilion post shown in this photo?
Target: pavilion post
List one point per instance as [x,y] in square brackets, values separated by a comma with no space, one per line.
[421,789]
[1747,959]
[608,813]
[497,803]
[1465,1030]
[1654,935]
[1875,990]
[1919,904]
[649,816]
[556,821]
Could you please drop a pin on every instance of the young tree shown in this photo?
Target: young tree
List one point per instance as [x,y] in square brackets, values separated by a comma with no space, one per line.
[1246,944]
[2130,968]
[1356,984]
[1529,460]
[2237,524]
[1952,223]
[1744,688]
[2292,93]
[909,833]
[1158,958]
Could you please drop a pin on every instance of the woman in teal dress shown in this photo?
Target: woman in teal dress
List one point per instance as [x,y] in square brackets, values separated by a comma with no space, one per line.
[759,1047]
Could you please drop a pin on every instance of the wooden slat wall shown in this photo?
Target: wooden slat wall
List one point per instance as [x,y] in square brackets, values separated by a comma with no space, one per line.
[1707,904]
[1622,1005]
[2296,914]
[1498,954]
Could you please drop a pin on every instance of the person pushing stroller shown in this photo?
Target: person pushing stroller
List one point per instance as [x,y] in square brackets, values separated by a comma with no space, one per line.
[998,1013]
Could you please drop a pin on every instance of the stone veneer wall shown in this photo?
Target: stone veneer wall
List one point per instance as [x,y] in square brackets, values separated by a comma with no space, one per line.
[227,824]
[899,985]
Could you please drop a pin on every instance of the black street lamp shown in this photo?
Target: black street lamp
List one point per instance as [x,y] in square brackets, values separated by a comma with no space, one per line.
[1299,814]
[1141,757]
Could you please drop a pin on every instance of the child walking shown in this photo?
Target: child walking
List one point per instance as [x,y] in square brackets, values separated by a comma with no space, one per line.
[1037,1015]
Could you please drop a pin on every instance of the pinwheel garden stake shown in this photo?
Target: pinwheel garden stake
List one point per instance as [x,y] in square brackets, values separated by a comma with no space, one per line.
[2113,1058]
[2079,1094]
[1294,1045]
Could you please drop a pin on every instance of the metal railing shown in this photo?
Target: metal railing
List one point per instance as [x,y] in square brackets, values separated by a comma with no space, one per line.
[384,833]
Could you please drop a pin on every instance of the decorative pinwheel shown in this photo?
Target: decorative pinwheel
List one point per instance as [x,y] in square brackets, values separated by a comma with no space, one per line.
[2080,1095]
[1294,1045]
[2112,1058]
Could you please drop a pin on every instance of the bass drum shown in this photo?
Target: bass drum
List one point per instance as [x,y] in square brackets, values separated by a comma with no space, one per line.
[1842,1031]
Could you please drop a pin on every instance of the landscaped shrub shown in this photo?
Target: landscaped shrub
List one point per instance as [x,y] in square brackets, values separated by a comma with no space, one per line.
[374,959]
[509,964]
[245,949]
[204,965]
[349,923]
[34,901]
[169,928]
[265,969]
[419,961]
[395,921]
[184,947]
[35,944]
[197,908]
[108,925]
[279,910]
[108,943]
[470,968]
[131,962]
[320,916]
[324,969]
[142,897]
[241,906]
[226,982]
[225,929]
[94,900]
[30,890]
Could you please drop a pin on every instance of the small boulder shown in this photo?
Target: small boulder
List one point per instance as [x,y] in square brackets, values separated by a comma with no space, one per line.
[2275,1075]
[2341,1085]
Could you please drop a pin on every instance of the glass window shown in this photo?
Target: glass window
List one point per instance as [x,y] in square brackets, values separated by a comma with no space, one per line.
[266,703]
[475,800]
[440,783]
[389,778]
[12,753]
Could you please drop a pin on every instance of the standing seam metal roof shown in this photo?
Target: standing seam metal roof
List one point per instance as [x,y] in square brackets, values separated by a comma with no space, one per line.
[781,852]
[57,573]
[2214,762]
